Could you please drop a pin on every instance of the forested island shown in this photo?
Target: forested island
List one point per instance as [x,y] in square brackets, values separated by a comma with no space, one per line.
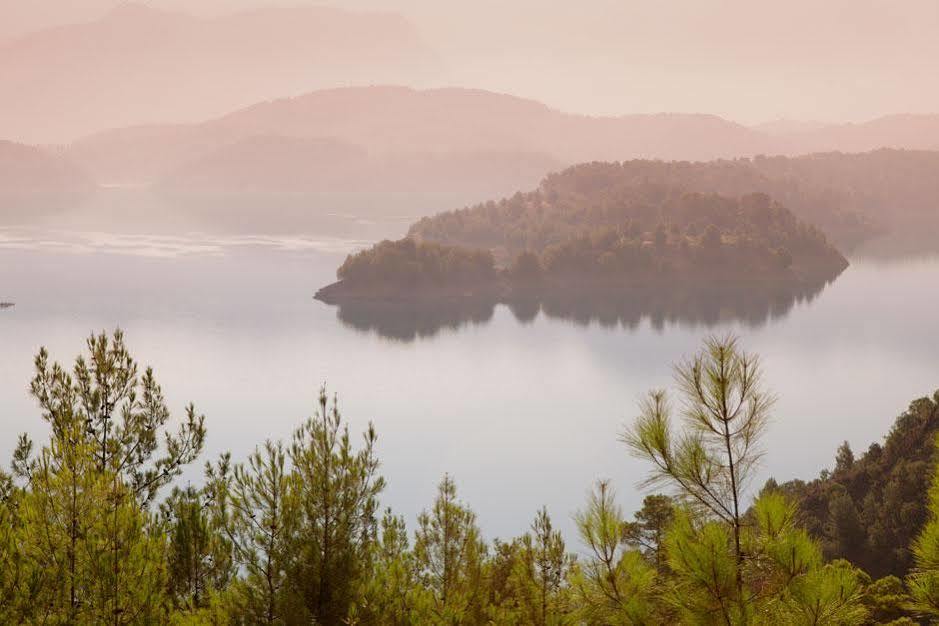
[606,239]
[95,529]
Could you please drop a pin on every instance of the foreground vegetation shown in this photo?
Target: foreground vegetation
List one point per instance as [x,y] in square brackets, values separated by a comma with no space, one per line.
[93,532]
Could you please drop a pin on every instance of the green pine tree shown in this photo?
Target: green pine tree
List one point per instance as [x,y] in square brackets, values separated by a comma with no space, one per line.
[258,510]
[613,585]
[338,494]
[450,557]
[730,567]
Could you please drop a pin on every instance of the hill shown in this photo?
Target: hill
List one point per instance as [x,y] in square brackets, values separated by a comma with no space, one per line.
[139,65]
[911,132]
[493,144]
[896,190]
[851,197]
[868,509]
[34,182]
[396,120]
[391,120]
[277,164]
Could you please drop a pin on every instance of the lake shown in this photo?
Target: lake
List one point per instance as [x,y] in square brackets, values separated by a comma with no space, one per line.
[523,408]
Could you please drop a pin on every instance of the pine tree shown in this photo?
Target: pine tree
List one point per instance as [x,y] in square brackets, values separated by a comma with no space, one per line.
[844,459]
[95,550]
[450,555]
[121,415]
[541,570]
[924,581]
[392,594]
[710,461]
[257,507]
[728,566]
[613,585]
[21,581]
[527,577]
[338,493]
[647,532]
[199,558]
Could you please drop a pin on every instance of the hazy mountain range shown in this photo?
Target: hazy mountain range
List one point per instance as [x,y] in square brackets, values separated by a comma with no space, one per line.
[476,143]
[403,121]
[139,64]
[34,181]
[183,104]
[398,121]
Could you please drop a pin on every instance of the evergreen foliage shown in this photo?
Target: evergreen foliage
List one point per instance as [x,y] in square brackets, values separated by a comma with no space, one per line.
[292,534]
[870,509]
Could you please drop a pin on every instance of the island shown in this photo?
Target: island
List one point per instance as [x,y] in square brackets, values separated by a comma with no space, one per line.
[590,244]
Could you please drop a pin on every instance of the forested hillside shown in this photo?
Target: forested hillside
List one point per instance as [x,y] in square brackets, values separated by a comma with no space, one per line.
[850,197]
[868,509]
[892,191]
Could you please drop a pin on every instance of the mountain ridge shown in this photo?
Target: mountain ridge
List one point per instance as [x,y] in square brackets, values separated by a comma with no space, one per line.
[139,65]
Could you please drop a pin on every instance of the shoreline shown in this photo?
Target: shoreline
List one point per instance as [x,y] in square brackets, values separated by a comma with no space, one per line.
[502,289]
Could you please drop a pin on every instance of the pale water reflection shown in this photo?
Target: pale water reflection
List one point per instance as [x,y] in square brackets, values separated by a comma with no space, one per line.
[522,407]
[751,306]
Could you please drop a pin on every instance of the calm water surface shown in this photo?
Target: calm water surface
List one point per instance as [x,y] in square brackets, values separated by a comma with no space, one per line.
[523,413]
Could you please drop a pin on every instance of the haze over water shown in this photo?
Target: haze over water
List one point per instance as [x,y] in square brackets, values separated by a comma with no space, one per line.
[520,413]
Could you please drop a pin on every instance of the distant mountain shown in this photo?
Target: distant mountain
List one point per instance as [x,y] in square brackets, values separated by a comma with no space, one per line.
[34,182]
[275,164]
[910,132]
[397,138]
[387,120]
[399,120]
[138,65]
[786,127]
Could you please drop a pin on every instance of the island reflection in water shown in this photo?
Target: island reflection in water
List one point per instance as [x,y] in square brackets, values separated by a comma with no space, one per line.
[752,305]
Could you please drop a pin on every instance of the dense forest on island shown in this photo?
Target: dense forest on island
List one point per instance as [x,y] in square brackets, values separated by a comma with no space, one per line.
[637,236]
[407,262]
[94,530]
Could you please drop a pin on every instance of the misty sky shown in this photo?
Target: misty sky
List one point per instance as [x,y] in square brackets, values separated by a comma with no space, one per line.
[748,60]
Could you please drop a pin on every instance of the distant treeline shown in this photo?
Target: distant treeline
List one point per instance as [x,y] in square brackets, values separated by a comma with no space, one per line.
[851,197]
[92,530]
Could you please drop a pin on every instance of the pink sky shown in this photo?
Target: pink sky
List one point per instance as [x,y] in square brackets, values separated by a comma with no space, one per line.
[748,60]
